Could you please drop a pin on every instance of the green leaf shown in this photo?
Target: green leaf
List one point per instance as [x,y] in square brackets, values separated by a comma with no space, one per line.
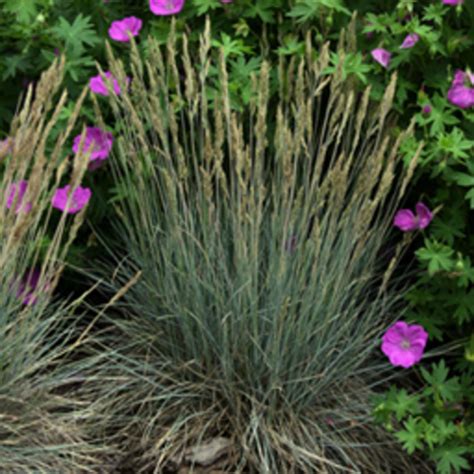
[450,459]
[464,266]
[469,349]
[379,23]
[405,404]
[263,9]
[440,116]
[243,68]
[352,63]
[434,13]
[230,46]
[443,429]
[24,10]
[291,46]
[308,10]
[76,35]
[203,6]
[455,143]
[462,179]
[12,64]
[411,436]
[465,309]
[440,385]
[449,228]
[437,255]
[470,198]
[438,375]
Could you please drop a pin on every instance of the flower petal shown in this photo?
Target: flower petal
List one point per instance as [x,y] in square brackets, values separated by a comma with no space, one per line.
[425,216]
[461,96]
[166,7]
[410,41]
[405,220]
[382,56]
[120,29]
[79,199]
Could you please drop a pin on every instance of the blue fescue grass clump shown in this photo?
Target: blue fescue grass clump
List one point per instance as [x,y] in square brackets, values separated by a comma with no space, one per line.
[253,239]
[47,413]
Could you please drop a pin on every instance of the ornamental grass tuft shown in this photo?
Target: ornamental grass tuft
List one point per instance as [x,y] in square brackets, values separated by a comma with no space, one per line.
[254,241]
[46,421]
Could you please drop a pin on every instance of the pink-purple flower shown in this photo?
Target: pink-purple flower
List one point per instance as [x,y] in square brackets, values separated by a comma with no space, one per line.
[410,41]
[28,287]
[404,344]
[120,29]
[427,109]
[382,56]
[166,7]
[407,221]
[16,193]
[99,86]
[461,92]
[77,201]
[98,142]
[453,2]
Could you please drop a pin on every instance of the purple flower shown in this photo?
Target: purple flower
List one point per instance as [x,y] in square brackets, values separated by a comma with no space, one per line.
[17,192]
[166,7]
[404,344]
[459,78]
[382,56]
[453,2]
[461,92]
[461,97]
[28,286]
[406,221]
[410,41]
[427,109]
[80,198]
[119,30]
[227,1]
[99,86]
[98,142]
